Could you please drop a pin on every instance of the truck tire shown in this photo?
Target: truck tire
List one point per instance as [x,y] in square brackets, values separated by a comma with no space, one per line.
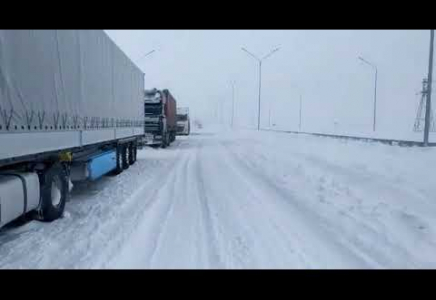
[125,156]
[132,153]
[164,140]
[54,193]
[119,157]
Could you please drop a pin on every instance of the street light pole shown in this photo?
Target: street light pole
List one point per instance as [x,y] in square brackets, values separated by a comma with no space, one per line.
[300,93]
[301,103]
[260,60]
[375,101]
[429,82]
[221,113]
[260,89]
[270,106]
[375,92]
[233,101]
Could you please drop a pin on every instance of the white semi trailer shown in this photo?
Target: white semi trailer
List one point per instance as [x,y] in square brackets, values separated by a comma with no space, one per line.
[71,108]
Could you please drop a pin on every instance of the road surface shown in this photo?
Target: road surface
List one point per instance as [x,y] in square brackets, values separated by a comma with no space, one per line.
[219,199]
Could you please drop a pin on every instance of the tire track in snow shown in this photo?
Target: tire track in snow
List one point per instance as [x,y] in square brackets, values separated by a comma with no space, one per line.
[143,200]
[171,198]
[273,246]
[171,235]
[372,232]
[190,230]
[142,246]
[213,253]
[245,229]
[316,225]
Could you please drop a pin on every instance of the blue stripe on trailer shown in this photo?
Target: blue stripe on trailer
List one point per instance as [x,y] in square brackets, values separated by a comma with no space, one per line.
[102,164]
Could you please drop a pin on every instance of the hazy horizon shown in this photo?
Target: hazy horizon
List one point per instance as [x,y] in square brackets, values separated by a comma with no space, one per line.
[320,65]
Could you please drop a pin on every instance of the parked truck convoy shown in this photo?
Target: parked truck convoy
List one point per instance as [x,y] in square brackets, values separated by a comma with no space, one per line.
[160,124]
[183,121]
[71,108]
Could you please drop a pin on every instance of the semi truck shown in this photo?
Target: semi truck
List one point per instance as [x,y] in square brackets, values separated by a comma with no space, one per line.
[183,121]
[71,106]
[160,127]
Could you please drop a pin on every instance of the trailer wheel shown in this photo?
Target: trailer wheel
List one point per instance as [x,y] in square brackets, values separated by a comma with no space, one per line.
[131,153]
[134,153]
[125,154]
[54,193]
[119,158]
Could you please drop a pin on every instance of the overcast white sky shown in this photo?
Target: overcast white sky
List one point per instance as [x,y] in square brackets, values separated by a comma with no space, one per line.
[321,65]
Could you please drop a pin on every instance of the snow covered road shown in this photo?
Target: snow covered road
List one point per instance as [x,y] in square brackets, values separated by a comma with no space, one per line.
[220,199]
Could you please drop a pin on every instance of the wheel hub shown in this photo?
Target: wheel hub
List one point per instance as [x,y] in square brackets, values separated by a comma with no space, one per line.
[56,194]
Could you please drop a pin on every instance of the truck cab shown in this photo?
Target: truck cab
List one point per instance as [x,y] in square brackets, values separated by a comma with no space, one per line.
[159,118]
[183,121]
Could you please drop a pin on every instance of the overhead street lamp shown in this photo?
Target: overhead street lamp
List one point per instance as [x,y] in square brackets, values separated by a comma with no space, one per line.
[375,90]
[260,60]
[146,54]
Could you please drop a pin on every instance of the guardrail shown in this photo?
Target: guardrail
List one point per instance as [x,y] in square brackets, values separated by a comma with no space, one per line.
[392,142]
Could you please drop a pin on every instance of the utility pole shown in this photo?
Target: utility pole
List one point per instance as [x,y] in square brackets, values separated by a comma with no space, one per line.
[429,83]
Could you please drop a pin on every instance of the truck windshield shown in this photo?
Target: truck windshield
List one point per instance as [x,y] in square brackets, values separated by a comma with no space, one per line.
[152,109]
[182,117]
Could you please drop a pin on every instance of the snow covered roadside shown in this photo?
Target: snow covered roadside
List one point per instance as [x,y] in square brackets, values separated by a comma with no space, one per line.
[378,199]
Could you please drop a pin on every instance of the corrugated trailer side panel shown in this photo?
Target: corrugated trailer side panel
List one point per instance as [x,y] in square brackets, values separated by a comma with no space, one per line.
[96,78]
[30,77]
[171,110]
[65,88]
